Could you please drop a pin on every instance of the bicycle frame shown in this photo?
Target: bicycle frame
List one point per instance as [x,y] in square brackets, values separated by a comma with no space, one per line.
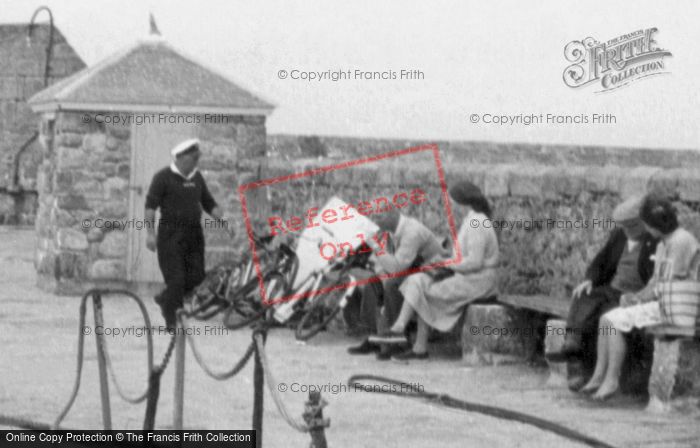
[312,282]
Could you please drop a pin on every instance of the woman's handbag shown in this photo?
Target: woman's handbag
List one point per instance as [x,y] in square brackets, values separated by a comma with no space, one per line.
[679,300]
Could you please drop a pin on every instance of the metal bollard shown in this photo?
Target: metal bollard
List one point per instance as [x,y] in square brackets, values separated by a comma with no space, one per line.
[313,416]
[149,419]
[258,395]
[180,342]
[101,361]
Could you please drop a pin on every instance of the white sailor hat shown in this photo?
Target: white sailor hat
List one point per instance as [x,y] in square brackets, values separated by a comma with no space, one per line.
[184,146]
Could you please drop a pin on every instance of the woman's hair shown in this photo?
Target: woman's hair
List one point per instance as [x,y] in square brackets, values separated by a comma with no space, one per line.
[467,193]
[480,204]
[659,214]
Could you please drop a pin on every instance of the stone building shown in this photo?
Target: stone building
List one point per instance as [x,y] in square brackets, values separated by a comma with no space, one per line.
[31,60]
[106,131]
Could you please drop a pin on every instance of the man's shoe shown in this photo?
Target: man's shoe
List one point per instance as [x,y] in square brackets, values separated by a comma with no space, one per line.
[389,337]
[409,355]
[364,349]
[568,352]
[388,350]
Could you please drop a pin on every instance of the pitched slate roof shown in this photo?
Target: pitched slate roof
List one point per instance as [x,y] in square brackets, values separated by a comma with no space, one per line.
[150,76]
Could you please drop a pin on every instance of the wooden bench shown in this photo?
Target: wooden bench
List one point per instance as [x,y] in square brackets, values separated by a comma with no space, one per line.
[506,328]
[670,331]
[674,376]
[674,381]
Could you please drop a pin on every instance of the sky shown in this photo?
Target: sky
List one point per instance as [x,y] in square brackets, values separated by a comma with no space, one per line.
[488,58]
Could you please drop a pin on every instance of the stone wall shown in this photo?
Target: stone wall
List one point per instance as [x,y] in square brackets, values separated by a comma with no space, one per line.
[85,176]
[86,170]
[556,217]
[22,75]
[293,147]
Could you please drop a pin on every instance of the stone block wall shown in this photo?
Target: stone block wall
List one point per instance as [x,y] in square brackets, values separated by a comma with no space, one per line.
[293,147]
[552,219]
[232,154]
[21,76]
[84,176]
[86,168]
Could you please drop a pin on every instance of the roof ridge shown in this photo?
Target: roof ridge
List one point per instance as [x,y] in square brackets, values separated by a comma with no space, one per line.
[95,84]
[100,66]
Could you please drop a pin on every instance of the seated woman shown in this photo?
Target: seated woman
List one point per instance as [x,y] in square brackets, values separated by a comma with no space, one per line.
[438,303]
[641,309]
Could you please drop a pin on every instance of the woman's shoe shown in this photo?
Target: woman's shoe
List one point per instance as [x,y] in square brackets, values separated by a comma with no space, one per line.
[408,355]
[607,396]
[589,390]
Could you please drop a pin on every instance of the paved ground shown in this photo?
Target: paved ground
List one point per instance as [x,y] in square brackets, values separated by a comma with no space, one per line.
[38,336]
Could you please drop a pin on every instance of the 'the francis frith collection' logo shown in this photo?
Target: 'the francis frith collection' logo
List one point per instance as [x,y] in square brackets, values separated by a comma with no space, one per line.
[615,63]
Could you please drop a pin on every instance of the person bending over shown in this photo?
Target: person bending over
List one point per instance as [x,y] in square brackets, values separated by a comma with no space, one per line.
[438,303]
[414,244]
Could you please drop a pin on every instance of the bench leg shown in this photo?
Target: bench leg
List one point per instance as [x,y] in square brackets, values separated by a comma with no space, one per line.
[498,334]
[553,342]
[675,375]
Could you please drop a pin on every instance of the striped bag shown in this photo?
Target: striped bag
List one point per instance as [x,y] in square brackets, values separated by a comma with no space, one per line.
[679,300]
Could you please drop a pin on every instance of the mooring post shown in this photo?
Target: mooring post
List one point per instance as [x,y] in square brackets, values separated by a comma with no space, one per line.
[180,342]
[101,360]
[313,416]
[258,392]
[149,419]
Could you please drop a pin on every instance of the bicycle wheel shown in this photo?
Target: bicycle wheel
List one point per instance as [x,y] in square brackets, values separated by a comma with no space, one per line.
[321,312]
[207,300]
[247,306]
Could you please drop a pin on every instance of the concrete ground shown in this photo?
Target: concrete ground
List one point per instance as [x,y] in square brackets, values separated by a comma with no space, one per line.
[39,333]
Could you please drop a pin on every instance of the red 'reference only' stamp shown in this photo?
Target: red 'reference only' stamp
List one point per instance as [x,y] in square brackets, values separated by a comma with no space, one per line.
[343,226]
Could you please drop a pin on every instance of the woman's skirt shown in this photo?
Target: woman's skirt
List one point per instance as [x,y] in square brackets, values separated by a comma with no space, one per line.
[635,316]
[440,304]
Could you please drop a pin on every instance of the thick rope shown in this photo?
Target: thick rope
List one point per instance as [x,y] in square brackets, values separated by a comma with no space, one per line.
[492,411]
[149,344]
[220,376]
[149,417]
[81,347]
[79,365]
[272,387]
[17,422]
[167,355]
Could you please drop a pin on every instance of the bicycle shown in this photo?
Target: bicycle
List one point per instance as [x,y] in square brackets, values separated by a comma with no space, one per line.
[228,286]
[320,309]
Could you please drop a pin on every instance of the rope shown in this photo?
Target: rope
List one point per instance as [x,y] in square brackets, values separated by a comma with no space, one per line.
[493,411]
[154,373]
[79,365]
[220,376]
[272,387]
[168,354]
[149,343]
[149,417]
[81,346]
[6,420]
